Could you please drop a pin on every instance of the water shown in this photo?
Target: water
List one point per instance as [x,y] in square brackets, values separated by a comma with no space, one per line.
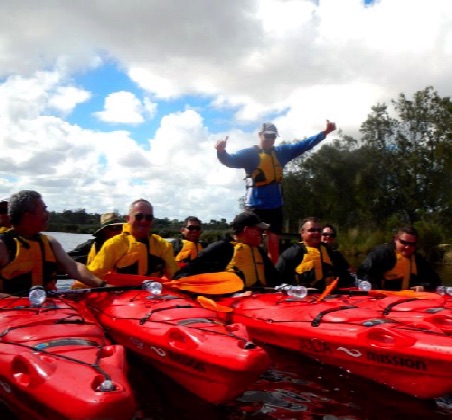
[294,387]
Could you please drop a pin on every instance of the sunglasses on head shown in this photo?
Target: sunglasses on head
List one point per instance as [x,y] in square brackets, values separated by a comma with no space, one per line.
[192,228]
[148,217]
[269,136]
[331,235]
[313,230]
[407,243]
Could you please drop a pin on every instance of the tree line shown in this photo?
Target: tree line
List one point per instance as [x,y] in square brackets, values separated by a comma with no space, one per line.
[79,221]
[399,172]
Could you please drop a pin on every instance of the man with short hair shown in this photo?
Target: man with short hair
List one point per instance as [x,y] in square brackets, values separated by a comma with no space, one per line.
[187,248]
[264,166]
[136,250]
[397,265]
[241,254]
[311,263]
[29,258]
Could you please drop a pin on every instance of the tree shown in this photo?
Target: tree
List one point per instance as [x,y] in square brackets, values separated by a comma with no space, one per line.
[411,156]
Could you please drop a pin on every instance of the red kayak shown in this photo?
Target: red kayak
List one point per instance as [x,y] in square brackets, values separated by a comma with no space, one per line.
[415,359]
[410,307]
[55,363]
[184,340]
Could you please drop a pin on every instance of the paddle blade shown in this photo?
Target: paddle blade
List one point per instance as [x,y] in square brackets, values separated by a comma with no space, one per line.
[76,285]
[405,293]
[211,304]
[328,289]
[209,283]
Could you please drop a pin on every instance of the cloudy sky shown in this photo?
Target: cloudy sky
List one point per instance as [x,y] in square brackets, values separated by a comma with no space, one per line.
[106,101]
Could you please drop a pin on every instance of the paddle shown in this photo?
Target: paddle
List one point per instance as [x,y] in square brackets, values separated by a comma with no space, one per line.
[220,283]
[356,292]
[91,290]
[207,283]
[327,290]
[211,304]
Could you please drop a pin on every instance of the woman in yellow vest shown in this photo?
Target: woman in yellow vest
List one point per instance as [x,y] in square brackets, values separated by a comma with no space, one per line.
[312,263]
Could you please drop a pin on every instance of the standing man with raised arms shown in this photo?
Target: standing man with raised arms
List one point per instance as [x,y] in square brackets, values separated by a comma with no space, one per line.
[264,164]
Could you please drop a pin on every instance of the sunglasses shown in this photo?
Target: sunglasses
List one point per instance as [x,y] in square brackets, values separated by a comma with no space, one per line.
[331,235]
[269,136]
[192,228]
[148,217]
[313,230]
[407,243]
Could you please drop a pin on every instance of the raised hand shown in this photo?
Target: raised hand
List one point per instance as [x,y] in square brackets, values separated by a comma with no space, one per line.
[330,126]
[221,144]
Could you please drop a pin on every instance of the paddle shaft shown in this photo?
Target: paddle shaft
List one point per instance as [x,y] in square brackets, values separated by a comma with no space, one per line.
[92,290]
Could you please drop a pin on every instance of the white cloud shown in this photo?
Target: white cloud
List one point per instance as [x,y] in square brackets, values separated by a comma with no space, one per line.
[66,98]
[122,107]
[304,61]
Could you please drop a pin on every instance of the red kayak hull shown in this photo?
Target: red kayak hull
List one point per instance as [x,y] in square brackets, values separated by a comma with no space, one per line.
[415,359]
[53,360]
[411,308]
[187,342]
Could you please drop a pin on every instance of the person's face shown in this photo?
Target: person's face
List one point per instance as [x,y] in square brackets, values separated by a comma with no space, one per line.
[140,220]
[405,244]
[39,218]
[310,234]
[328,236]
[111,230]
[267,141]
[191,231]
[252,235]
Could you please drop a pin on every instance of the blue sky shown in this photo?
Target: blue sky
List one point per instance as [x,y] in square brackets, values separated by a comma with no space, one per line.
[103,103]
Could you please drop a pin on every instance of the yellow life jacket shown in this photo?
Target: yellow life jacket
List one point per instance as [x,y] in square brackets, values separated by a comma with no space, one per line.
[124,254]
[189,251]
[269,169]
[4,229]
[314,266]
[32,263]
[247,261]
[91,254]
[402,270]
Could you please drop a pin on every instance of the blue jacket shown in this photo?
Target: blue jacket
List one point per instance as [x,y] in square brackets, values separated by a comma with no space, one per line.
[267,196]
